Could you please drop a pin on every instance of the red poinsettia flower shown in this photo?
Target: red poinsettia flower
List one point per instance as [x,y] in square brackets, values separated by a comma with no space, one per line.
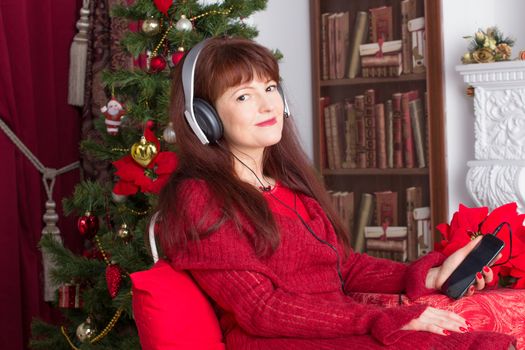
[464,225]
[468,223]
[133,177]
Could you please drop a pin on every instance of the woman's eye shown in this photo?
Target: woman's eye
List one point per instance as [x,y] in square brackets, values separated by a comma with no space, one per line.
[271,88]
[242,98]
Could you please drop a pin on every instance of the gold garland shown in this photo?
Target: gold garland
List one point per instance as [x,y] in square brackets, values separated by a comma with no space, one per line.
[133,211]
[212,12]
[101,335]
[120,149]
[99,245]
[109,327]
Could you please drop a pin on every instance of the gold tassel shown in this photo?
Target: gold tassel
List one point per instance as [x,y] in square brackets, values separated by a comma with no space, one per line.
[78,58]
[50,218]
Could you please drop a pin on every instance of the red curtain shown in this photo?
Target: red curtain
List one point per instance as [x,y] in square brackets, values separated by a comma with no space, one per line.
[34,60]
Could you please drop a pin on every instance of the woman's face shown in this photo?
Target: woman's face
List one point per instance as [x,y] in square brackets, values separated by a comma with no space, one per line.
[252,115]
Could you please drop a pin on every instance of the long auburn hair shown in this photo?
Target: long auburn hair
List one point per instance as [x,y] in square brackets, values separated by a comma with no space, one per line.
[223,63]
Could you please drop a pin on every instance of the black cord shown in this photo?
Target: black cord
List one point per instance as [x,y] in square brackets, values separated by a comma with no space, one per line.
[338,263]
[495,233]
[268,190]
[262,187]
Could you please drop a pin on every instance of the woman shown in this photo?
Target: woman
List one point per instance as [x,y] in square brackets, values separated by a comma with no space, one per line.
[247,217]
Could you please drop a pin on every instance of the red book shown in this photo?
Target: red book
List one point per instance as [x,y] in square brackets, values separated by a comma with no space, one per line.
[370,128]
[323,157]
[397,132]
[381,136]
[386,208]
[381,24]
[408,139]
[359,106]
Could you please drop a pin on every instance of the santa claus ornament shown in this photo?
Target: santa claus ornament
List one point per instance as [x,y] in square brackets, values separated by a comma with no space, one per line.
[113,112]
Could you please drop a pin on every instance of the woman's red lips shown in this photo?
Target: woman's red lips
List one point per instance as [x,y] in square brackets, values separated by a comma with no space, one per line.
[267,122]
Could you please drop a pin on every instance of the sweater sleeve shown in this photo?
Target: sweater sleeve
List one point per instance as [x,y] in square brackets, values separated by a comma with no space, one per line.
[263,309]
[366,274]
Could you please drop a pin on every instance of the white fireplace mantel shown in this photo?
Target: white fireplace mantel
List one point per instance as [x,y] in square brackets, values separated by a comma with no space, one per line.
[497,175]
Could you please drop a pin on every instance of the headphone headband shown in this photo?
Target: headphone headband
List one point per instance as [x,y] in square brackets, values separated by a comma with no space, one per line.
[188,74]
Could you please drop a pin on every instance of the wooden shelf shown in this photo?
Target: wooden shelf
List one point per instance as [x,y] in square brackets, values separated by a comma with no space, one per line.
[367,81]
[376,171]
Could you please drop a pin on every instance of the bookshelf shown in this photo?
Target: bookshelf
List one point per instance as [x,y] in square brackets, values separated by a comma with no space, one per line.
[432,177]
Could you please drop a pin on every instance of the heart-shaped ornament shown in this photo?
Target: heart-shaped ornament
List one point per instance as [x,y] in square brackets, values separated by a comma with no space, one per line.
[143,152]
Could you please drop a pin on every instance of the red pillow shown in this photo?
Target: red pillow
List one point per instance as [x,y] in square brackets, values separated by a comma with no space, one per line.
[171,312]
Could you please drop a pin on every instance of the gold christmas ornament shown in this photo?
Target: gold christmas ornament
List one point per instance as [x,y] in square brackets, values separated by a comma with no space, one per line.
[143,152]
[85,331]
[151,26]
[123,231]
[183,24]
[169,134]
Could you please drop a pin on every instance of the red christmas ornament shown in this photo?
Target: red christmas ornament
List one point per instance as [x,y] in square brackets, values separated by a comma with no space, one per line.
[88,225]
[113,279]
[177,56]
[150,124]
[163,5]
[157,64]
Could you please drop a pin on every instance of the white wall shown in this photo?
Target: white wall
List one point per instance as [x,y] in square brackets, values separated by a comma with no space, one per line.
[461,18]
[285,25]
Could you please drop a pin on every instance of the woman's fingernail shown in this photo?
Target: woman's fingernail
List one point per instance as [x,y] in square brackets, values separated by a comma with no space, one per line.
[486,269]
[463,329]
[446,332]
[479,276]
[469,325]
[471,289]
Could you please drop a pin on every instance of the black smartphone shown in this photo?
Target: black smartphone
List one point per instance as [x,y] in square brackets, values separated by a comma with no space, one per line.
[465,274]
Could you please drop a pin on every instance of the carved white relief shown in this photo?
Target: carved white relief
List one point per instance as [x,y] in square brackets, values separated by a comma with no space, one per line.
[497,176]
[495,185]
[500,124]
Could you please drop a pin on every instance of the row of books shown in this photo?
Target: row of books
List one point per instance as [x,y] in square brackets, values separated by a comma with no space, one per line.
[391,242]
[375,226]
[361,133]
[347,49]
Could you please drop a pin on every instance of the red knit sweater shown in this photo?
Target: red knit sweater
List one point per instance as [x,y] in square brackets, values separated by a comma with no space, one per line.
[293,299]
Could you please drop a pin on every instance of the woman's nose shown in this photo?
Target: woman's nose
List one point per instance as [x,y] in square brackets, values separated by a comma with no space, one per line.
[267,102]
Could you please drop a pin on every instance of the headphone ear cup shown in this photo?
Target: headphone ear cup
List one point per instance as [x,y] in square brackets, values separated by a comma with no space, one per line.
[207,119]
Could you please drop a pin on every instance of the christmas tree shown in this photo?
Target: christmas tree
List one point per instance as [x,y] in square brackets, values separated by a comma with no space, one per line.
[135,136]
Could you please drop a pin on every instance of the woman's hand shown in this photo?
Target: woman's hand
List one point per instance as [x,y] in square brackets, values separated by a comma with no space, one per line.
[438,321]
[438,275]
